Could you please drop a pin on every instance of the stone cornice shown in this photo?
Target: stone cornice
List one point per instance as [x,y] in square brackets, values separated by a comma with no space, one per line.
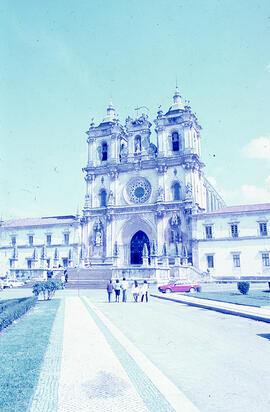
[187,160]
[38,245]
[231,239]
[166,207]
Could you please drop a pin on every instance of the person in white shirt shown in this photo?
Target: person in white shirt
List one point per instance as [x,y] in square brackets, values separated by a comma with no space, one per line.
[124,286]
[144,291]
[135,291]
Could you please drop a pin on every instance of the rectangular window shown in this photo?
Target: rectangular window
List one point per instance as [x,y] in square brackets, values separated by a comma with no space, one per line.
[208,232]
[265,259]
[49,239]
[236,260]
[263,229]
[31,240]
[11,263]
[13,240]
[66,238]
[234,230]
[210,261]
[48,263]
[29,263]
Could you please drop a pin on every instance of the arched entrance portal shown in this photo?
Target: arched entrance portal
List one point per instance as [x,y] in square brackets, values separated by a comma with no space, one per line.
[136,247]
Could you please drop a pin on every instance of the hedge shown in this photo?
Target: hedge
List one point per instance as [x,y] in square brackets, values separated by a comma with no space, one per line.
[4,304]
[15,311]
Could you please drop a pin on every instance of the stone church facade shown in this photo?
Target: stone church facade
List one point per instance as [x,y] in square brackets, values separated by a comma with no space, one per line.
[140,196]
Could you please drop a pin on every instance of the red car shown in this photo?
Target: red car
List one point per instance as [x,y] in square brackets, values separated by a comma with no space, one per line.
[179,286]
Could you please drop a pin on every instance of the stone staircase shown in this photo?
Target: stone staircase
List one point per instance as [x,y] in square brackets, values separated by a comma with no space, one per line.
[92,278]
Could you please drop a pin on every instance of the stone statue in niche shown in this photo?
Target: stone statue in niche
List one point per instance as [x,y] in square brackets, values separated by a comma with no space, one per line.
[137,146]
[98,238]
[110,198]
[98,234]
[175,220]
[160,194]
[123,153]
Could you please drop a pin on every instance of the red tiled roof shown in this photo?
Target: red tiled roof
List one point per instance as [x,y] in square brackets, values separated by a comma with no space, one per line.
[39,221]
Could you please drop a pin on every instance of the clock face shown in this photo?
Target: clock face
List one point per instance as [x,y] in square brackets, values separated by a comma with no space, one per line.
[139,190]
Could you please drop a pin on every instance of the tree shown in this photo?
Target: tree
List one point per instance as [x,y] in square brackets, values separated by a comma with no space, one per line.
[47,287]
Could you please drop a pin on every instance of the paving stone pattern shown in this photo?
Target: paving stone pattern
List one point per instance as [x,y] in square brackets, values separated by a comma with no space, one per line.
[45,396]
[92,378]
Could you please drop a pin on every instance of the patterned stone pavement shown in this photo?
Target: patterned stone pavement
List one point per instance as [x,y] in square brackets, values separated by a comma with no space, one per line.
[45,396]
[92,379]
[91,366]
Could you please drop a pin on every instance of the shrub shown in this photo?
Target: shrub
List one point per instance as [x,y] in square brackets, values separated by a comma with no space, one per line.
[16,310]
[47,287]
[243,287]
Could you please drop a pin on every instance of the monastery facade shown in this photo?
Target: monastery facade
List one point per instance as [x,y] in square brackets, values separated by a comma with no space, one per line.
[145,204]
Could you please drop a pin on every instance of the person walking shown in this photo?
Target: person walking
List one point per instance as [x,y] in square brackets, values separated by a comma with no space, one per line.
[144,291]
[110,289]
[117,289]
[135,291]
[66,276]
[124,286]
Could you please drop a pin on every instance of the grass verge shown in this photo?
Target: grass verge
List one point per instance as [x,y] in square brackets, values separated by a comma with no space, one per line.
[22,348]
[253,298]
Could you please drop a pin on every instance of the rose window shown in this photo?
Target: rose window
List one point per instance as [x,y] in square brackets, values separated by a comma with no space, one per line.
[139,190]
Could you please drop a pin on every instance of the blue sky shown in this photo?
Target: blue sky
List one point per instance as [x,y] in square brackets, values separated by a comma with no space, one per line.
[62,61]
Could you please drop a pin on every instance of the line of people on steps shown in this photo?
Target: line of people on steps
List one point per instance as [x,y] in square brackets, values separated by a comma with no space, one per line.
[139,293]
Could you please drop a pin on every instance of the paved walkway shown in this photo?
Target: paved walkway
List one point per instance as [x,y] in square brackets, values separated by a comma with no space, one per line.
[251,312]
[94,367]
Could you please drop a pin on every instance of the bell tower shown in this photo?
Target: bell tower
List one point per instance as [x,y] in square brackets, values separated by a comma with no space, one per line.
[104,141]
[178,131]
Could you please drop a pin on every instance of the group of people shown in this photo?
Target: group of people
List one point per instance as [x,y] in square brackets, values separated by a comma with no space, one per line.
[139,293]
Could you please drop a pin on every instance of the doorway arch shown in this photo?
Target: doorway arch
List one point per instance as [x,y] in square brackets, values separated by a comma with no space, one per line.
[136,247]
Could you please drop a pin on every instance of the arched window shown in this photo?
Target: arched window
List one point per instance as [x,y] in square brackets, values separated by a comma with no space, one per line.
[103,196]
[176,191]
[104,153]
[175,142]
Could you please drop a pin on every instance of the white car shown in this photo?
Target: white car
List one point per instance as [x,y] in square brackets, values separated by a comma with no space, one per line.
[8,283]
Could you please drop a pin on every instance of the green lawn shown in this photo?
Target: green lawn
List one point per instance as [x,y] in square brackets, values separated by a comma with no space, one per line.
[22,347]
[253,298]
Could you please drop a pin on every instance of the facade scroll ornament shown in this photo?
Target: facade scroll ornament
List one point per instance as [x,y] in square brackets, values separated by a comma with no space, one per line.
[114,174]
[162,169]
[189,191]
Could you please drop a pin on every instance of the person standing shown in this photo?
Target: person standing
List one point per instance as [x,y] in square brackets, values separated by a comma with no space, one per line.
[124,286]
[63,281]
[135,291]
[110,289]
[117,289]
[144,291]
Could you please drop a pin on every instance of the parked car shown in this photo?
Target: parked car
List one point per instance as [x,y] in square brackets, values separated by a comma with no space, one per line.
[8,283]
[179,286]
